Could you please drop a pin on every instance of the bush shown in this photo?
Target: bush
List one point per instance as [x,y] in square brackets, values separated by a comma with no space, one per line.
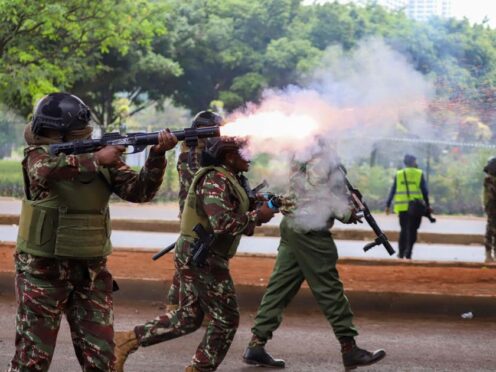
[373,182]
[455,183]
[11,180]
[11,183]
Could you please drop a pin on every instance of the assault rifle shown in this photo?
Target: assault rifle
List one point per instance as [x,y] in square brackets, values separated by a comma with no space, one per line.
[251,194]
[166,250]
[273,201]
[362,207]
[201,245]
[137,140]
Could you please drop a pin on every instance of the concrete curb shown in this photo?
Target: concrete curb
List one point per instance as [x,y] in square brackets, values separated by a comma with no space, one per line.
[342,260]
[172,226]
[425,304]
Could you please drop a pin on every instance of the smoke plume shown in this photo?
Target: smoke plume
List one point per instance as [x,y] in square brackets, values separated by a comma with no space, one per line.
[361,94]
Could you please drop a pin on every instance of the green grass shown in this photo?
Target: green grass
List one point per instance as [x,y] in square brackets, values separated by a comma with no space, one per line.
[11,183]
[10,171]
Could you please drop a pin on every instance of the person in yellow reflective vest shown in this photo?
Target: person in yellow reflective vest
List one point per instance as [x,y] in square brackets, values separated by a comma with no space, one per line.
[417,189]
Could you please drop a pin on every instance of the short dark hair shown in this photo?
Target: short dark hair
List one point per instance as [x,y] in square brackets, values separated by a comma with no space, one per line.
[409,160]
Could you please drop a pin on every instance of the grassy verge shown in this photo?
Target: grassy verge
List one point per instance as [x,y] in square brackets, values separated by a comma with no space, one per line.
[11,178]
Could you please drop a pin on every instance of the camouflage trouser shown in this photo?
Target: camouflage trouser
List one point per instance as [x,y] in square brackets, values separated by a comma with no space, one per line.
[208,290]
[173,294]
[45,289]
[490,239]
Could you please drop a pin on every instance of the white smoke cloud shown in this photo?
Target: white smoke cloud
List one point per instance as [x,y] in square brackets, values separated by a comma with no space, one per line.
[364,93]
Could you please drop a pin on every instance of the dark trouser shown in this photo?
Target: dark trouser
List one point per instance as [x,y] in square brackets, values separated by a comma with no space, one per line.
[302,256]
[46,288]
[408,234]
[206,290]
[490,238]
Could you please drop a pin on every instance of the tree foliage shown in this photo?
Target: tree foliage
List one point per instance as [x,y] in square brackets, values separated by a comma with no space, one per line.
[199,51]
[46,46]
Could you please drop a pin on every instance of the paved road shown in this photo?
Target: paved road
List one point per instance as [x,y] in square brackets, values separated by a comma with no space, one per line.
[346,248]
[444,224]
[304,341]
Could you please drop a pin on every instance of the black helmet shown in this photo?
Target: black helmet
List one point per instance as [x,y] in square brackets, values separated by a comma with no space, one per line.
[218,147]
[207,119]
[490,167]
[409,160]
[60,111]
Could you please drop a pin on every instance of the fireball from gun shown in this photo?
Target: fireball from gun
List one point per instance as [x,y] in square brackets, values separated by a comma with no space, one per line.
[273,131]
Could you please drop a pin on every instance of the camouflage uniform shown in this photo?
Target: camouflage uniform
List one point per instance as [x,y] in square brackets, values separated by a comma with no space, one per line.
[205,290]
[187,165]
[308,252]
[47,287]
[490,209]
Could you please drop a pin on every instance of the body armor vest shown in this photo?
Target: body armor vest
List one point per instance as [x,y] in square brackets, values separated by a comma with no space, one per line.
[73,221]
[224,245]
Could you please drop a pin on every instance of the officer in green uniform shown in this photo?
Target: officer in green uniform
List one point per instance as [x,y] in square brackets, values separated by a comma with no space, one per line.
[489,199]
[309,253]
[408,184]
[217,201]
[64,235]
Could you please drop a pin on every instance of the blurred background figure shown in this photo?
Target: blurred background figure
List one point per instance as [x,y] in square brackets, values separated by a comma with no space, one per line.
[409,190]
[489,199]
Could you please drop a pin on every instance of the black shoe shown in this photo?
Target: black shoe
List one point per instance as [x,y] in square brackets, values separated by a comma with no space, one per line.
[357,357]
[259,357]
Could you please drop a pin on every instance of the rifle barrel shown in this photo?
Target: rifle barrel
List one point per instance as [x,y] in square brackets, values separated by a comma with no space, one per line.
[140,140]
[197,132]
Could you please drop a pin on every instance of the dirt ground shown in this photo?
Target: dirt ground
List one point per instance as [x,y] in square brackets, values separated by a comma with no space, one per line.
[371,275]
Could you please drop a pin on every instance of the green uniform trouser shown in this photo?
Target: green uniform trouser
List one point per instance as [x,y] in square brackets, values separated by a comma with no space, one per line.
[302,256]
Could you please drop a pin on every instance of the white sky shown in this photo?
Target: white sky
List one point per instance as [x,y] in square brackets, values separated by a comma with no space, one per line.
[474,10]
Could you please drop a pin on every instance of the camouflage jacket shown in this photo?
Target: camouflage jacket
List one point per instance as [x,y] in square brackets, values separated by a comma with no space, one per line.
[215,194]
[42,168]
[187,165]
[319,194]
[489,196]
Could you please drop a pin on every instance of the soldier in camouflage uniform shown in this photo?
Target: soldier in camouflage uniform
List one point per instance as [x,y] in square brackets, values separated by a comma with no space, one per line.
[188,164]
[64,233]
[220,204]
[489,197]
[308,252]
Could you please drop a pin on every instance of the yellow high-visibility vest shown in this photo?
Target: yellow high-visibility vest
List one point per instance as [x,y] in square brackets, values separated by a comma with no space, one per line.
[413,177]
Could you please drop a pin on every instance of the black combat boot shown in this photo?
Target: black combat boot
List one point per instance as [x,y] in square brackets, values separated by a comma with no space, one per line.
[257,355]
[354,357]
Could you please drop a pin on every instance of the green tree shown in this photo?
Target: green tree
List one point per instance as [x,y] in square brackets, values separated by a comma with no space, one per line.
[46,46]
[141,76]
[221,46]
[10,131]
